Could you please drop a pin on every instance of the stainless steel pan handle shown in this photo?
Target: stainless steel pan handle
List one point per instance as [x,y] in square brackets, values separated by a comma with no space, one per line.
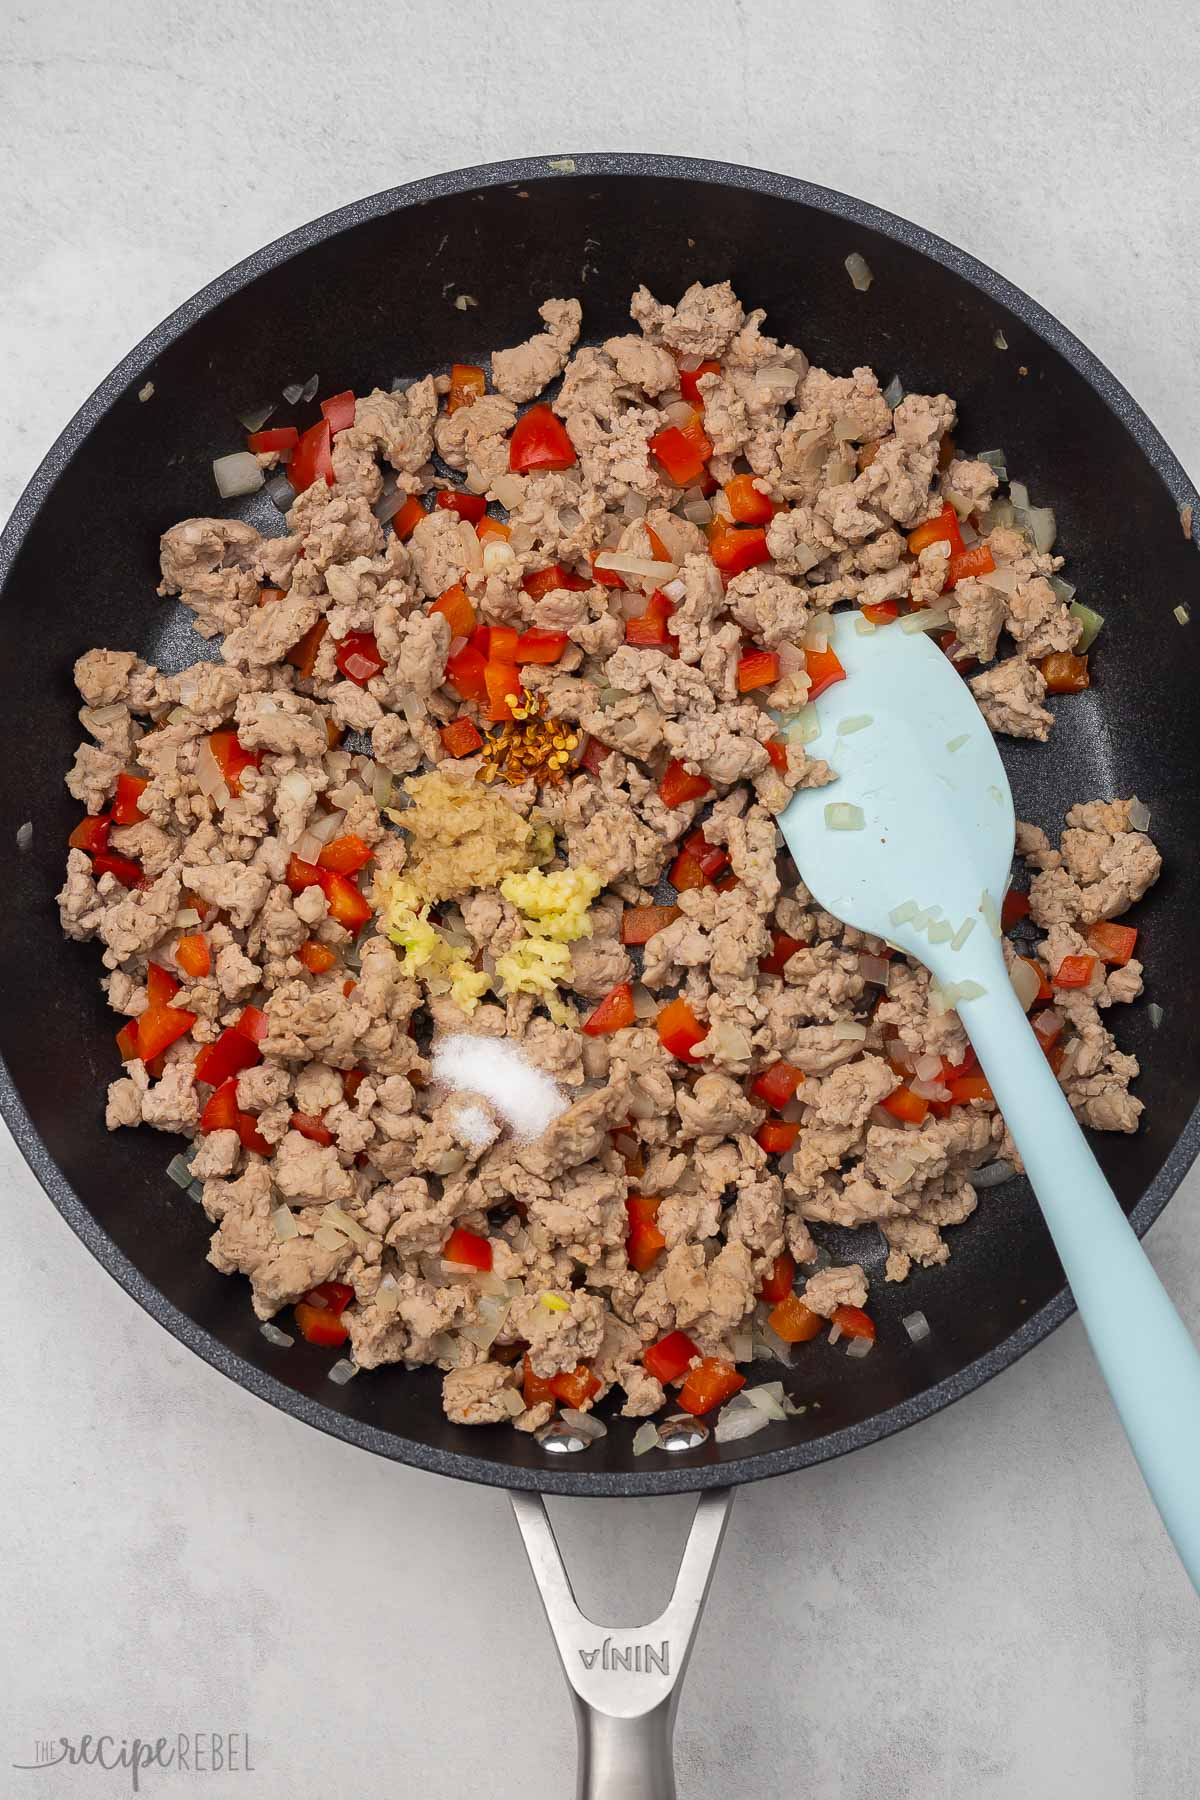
[625,1680]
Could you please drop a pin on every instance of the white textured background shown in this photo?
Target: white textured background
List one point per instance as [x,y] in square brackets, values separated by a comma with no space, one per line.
[986,1607]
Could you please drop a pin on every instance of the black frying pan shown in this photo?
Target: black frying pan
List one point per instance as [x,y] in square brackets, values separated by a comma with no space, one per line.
[367,294]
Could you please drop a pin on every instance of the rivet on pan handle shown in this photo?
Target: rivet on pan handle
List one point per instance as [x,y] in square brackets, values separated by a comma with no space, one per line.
[625,1681]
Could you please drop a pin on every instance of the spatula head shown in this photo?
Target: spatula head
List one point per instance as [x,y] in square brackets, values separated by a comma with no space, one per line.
[924,771]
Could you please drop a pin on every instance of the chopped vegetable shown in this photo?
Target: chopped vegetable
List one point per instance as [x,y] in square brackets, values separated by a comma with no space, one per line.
[467,383]
[614,1012]
[358,657]
[942,530]
[467,1247]
[319,1324]
[1112,943]
[777,751]
[905,1105]
[311,1128]
[683,451]
[645,1240]
[503,688]
[783,948]
[455,607]
[470,507]
[409,516]
[220,1111]
[489,529]
[345,855]
[1015,907]
[466,674]
[840,816]
[232,1052]
[281,440]
[747,503]
[338,412]
[740,549]
[756,669]
[159,1027]
[1064,673]
[778,1284]
[536,646]
[311,459]
[130,788]
[776,1085]
[1075,971]
[794,1322]
[823,669]
[1090,621]
[193,955]
[651,629]
[881,613]
[640,923]
[668,1359]
[549,581]
[689,381]
[678,786]
[968,1088]
[577,1387]
[777,1136]
[539,441]
[461,737]
[317,958]
[965,564]
[686,873]
[679,1030]
[233,759]
[304,654]
[709,1384]
[859,270]
[853,1322]
[91,834]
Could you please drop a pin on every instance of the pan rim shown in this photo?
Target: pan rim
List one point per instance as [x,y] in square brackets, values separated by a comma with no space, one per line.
[484,1469]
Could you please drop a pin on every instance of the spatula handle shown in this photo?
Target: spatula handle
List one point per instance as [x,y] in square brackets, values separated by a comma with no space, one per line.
[1145,1352]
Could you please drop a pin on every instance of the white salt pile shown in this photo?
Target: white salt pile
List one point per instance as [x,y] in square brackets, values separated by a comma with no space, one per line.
[524,1096]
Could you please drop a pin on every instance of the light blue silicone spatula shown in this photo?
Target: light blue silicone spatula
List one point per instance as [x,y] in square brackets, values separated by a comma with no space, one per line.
[917,763]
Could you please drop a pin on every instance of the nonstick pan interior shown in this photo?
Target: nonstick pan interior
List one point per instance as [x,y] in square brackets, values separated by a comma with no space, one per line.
[369,294]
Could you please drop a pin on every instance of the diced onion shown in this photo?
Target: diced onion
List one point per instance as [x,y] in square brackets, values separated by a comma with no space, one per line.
[1000,341]
[840,816]
[25,835]
[1003,579]
[621,562]
[255,417]
[284,1224]
[1155,1014]
[389,504]
[1019,494]
[237,474]
[309,390]
[859,722]
[859,271]
[849,1031]
[940,931]
[1064,589]
[328,1237]
[956,743]
[926,618]
[994,460]
[1139,815]
[917,1326]
[293,392]
[900,915]
[1090,621]
[992,1174]
[343,1371]
[930,1090]
[586,1424]
[280,492]
[928,1066]
[1181,613]
[679,412]
[1044,527]
[283,1340]
[923,919]
[179,1171]
[874,969]
[805,727]
[893,393]
[945,999]
[767,1397]
[735,1422]
[962,934]
[645,1437]
[991,917]
[859,1347]
[209,779]
[863,626]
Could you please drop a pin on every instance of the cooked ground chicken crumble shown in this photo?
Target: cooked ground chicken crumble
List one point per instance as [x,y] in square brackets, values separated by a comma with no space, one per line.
[327,926]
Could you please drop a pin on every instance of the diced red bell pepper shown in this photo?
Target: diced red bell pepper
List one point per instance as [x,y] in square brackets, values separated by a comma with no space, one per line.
[640,923]
[352,1080]
[160,1026]
[330,1296]
[1064,673]
[280,439]
[1112,943]
[955,1071]
[651,629]
[709,1384]
[127,1042]
[968,1088]
[794,1322]
[467,1247]
[465,674]
[1047,1025]
[346,904]
[823,670]
[678,786]
[964,564]
[738,550]
[319,1325]
[467,382]
[686,873]
[130,789]
[783,948]
[689,382]
[193,955]
[536,1390]
[614,1012]
[536,646]
[576,1387]
[549,581]
[221,1108]
[503,686]
[496,643]
[645,1241]
[317,958]
[1075,971]
[1056,1055]
[777,751]
[358,657]
[1045,991]
[747,503]
[161,986]
[679,1030]
[461,737]
[311,459]
[345,855]
[539,441]
[303,655]
[233,759]
[300,874]
[882,612]
[128,873]
[757,669]
[683,451]
[854,1322]
[455,607]
[470,507]
[232,1052]
[905,1105]
[91,834]
[776,1136]
[252,1138]
[253,1024]
[776,1085]
[1015,906]
[595,753]
[778,1284]
[942,530]
[711,857]
[489,528]
[668,1359]
[338,411]
[405,522]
